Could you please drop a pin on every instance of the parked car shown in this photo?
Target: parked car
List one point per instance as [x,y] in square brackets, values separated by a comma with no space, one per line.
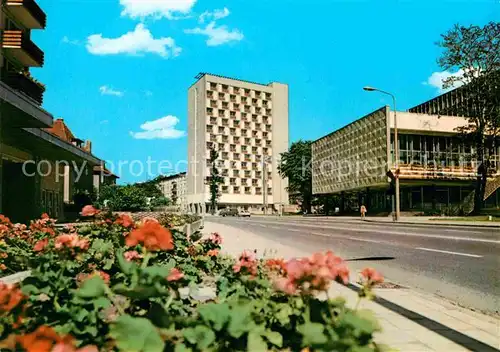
[228,212]
[244,213]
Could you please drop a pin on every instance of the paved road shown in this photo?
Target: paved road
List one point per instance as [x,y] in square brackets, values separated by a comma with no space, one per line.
[460,264]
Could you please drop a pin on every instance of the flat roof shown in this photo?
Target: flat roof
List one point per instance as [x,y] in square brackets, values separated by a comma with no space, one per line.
[203,74]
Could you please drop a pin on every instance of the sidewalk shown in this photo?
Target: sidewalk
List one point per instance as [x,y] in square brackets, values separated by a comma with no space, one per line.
[412,220]
[411,321]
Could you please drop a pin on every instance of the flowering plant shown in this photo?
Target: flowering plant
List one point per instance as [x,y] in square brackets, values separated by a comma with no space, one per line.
[119,285]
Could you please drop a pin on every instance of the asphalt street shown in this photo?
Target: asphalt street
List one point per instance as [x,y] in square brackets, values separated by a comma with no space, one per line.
[458,263]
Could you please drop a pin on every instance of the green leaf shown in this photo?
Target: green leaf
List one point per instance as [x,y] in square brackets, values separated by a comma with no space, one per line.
[217,314]
[136,335]
[92,288]
[160,270]
[256,342]
[312,334]
[102,302]
[180,347]
[362,321]
[201,336]
[240,322]
[139,292]
[29,290]
[125,265]
[274,337]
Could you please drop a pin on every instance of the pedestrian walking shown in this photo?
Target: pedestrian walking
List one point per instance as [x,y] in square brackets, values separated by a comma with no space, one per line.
[362,209]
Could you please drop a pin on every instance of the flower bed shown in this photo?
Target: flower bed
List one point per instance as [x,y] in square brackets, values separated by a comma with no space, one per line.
[115,285]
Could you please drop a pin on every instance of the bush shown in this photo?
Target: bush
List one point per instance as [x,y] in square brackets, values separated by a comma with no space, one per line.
[121,286]
[123,198]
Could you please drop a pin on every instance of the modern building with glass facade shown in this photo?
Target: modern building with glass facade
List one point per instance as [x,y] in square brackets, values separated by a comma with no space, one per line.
[437,168]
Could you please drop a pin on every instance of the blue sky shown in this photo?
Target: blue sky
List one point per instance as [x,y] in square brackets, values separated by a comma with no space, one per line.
[111,66]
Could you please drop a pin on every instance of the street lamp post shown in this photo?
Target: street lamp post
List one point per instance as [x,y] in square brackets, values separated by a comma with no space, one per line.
[396,148]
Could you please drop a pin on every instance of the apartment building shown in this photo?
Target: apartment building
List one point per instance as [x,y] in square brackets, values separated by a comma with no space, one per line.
[247,123]
[33,154]
[174,188]
[436,168]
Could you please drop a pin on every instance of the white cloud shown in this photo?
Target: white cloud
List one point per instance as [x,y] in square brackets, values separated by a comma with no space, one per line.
[437,79]
[214,15]
[134,43]
[66,40]
[162,128]
[156,8]
[105,90]
[217,35]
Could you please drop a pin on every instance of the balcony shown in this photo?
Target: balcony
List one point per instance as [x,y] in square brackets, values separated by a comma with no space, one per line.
[20,47]
[25,85]
[28,13]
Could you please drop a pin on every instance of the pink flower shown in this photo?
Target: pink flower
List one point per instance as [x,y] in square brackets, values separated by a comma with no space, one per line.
[71,241]
[89,210]
[131,255]
[215,238]
[372,276]
[248,262]
[175,275]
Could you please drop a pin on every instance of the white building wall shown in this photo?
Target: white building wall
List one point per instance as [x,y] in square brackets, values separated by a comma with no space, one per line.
[248,123]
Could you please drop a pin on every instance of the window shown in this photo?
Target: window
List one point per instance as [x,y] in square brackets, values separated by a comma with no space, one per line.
[232,181]
[236,190]
[232,97]
[225,104]
[225,189]
[247,190]
[232,114]
[221,129]
[213,86]
[232,131]
[222,96]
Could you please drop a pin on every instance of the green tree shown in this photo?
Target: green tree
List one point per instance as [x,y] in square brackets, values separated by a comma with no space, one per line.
[214,180]
[474,53]
[296,166]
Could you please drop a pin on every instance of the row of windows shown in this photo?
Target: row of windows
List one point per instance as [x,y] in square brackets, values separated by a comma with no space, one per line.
[245,92]
[243,114]
[244,190]
[243,129]
[221,97]
[255,142]
[243,165]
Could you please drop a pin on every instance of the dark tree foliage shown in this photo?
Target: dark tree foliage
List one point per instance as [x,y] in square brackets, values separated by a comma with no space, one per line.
[474,53]
[214,180]
[296,166]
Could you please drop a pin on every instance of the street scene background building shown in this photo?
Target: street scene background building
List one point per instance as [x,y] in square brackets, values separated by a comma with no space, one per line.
[437,167]
[248,124]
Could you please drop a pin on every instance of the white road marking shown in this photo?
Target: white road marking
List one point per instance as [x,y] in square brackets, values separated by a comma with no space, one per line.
[388,232]
[351,238]
[448,252]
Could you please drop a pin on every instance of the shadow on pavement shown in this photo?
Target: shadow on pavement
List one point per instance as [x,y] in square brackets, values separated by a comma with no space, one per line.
[443,330]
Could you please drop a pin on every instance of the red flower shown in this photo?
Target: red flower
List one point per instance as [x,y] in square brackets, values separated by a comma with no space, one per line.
[4,220]
[89,210]
[46,339]
[71,241]
[82,276]
[277,265]
[40,245]
[10,297]
[45,216]
[246,262]
[213,253]
[131,255]
[125,221]
[372,276]
[152,235]
[175,275]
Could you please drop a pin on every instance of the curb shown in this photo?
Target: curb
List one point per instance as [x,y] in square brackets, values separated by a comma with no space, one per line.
[436,222]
